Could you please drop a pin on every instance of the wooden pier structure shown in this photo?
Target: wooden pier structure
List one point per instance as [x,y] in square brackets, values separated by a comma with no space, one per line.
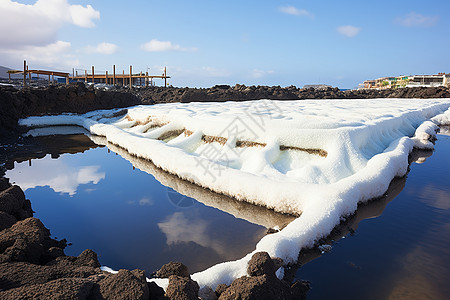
[130,79]
[27,72]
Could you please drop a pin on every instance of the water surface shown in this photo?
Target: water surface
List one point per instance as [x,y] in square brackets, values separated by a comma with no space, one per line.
[403,253]
[99,200]
[137,216]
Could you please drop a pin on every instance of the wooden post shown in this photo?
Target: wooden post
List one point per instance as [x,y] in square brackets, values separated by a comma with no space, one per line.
[106,78]
[9,77]
[24,73]
[29,76]
[67,80]
[93,74]
[131,79]
[123,77]
[85,75]
[165,77]
[49,79]
[146,79]
[114,75]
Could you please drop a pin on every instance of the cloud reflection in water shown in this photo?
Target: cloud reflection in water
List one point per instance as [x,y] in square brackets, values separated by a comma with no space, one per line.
[59,176]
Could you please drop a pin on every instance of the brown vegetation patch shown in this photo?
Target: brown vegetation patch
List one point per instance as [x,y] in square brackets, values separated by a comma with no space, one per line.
[240,144]
[188,132]
[212,139]
[319,152]
[169,135]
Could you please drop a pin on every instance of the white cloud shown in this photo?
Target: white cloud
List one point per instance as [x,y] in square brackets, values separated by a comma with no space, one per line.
[291,10]
[182,228]
[146,201]
[348,30]
[83,16]
[59,176]
[161,46]
[55,55]
[38,24]
[417,20]
[102,48]
[257,73]
[30,31]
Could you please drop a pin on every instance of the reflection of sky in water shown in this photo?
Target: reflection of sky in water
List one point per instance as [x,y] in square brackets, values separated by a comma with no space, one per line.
[404,253]
[58,174]
[96,200]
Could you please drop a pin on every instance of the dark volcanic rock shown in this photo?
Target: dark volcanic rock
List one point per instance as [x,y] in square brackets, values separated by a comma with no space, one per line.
[173,268]
[24,241]
[259,287]
[4,183]
[125,285]
[206,293]
[87,258]
[6,220]
[299,289]
[64,288]
[16,274]
[262,283]
[220,289]
[261,264]
[155,291]
[182,288]
[13,202]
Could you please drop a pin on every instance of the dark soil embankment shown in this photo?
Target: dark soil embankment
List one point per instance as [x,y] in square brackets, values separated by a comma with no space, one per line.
[74,98]
[238,92]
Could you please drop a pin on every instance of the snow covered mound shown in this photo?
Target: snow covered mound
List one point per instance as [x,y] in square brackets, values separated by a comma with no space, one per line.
[316,159]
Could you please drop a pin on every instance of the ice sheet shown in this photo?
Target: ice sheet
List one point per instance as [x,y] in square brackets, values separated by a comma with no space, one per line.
[317,159]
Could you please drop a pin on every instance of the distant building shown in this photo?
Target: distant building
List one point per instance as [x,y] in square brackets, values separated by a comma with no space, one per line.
[317,86]
[440,79]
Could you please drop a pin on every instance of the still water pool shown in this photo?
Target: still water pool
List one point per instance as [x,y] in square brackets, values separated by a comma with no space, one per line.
[403,251]
[99,200]
[137,216]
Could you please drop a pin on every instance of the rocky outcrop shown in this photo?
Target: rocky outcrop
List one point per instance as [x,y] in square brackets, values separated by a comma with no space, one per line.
[173,268]
[181,286]
[220,93]
[262,282]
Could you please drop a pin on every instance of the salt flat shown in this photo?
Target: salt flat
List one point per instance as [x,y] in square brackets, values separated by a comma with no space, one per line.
[316,159]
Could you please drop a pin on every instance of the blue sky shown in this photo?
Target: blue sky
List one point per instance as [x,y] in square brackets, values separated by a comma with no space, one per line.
[204,43]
